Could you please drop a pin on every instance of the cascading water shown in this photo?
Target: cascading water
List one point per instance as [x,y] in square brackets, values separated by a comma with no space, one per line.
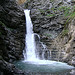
[30,40]
[32,63]
[32,53]
[31,50]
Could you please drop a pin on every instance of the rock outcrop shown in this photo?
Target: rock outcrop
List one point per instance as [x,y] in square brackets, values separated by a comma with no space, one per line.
[8,68]
[65,44]
[12,29]
[12,35]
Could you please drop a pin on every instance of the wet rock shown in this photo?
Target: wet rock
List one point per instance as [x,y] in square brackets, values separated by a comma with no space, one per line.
[9,69]
[72,72]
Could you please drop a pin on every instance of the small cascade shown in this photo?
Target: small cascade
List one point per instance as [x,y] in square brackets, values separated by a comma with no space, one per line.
[41,50]
[45,53]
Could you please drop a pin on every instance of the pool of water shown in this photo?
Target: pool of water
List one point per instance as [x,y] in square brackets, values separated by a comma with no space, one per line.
[44,67]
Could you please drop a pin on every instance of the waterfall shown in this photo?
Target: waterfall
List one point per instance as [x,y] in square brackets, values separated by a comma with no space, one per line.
[30,40]
[33,47]
[32,63]
[31,53]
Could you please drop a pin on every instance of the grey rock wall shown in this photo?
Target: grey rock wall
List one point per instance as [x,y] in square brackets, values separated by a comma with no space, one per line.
[12,35]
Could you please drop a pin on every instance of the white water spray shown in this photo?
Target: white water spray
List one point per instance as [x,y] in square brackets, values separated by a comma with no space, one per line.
[30,40]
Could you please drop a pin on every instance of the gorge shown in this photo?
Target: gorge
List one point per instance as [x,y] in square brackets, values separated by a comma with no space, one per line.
[49,21]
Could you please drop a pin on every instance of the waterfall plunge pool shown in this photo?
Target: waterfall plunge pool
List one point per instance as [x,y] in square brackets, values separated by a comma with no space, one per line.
[44,66]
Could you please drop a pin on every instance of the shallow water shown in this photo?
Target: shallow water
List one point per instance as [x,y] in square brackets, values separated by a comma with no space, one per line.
[44,67]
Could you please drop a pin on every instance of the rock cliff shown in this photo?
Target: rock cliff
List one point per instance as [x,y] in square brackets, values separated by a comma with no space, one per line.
[65,44]
[12,35]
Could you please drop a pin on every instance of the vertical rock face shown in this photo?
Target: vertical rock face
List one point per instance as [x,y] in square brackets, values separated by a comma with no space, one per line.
[12,34]
[12,29]
[46,19]
[65,44]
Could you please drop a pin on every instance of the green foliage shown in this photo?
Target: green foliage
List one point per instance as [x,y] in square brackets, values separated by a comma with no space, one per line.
[1,23]
[64,8]
[51,15]
[42,11]
[64,32]
[68,12]
[52,8]
[48,34]
[52,12]
[51,0]
[70,17]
